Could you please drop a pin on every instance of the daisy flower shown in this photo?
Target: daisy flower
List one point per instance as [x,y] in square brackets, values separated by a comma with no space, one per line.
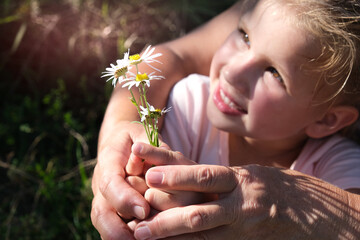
[117,73]
[140,78]
[147,57]
[154,112]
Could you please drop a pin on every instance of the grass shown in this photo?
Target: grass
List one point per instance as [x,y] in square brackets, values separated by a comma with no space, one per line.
[53,100]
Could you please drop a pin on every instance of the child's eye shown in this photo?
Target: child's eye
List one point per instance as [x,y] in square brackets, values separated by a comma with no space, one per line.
[244,36]
[275,74]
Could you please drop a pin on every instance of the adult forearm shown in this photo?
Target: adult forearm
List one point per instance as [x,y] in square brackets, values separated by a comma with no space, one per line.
[254,202]
[320,210]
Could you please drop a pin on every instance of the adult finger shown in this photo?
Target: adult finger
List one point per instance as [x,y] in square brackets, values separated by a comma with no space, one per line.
[177,221]
[114,188]
[198,178]
[219,233]
[107,222]
[159,155]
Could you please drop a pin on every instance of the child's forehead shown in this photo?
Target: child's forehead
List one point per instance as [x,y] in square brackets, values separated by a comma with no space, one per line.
[280,22]
[287,10]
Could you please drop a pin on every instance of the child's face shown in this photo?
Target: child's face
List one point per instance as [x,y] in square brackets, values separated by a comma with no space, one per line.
[258,88]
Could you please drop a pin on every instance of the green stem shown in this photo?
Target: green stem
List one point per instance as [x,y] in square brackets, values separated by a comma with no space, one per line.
[144,123]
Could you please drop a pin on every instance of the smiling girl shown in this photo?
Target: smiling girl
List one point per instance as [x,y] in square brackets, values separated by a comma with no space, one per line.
[282,89]
[270,101]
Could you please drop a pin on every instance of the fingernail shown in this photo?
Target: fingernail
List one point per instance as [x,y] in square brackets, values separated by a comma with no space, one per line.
[154,177]
[142,233]
[139,212]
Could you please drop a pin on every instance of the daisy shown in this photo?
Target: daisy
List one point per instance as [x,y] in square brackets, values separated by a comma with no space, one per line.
[147,57]
[140,78]
[145,112]
[117,73]
[154,112]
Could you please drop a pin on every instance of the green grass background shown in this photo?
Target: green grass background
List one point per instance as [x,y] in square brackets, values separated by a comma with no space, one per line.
[52,53]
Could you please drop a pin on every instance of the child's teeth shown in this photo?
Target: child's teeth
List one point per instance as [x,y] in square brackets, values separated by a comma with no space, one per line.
[227,100]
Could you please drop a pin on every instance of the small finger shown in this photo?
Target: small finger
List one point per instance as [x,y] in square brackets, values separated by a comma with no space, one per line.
[161,200]
[135,165]
[138,183]
[159,156]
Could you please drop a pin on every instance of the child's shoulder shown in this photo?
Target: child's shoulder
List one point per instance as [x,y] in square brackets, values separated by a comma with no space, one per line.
[190,94]
[193,83]
[330,147]
[335,159]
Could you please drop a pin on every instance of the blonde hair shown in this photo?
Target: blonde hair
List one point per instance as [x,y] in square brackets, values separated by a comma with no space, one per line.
[336,24]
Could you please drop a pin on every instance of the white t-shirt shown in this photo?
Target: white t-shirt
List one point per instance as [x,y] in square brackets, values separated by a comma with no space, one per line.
[187,129]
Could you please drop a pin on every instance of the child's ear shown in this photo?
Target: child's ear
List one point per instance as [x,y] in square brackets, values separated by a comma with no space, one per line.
[335,119]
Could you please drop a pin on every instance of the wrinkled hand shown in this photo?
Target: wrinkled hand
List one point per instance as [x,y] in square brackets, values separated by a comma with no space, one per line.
[114,196]
[254,202]
[117,188]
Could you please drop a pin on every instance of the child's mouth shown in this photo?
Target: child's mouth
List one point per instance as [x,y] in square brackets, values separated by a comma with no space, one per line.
[225,104]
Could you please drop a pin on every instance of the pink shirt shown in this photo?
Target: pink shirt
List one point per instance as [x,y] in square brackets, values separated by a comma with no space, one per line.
[334,159]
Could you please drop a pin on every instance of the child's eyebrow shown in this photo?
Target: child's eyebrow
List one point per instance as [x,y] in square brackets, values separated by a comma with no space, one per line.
[241,23]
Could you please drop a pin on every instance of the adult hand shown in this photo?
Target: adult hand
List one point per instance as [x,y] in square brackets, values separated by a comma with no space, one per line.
[114,196]
[254,202]
[118,194]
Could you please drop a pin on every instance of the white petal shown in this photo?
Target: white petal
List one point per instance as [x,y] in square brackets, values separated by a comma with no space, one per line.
[107,74]
[152,67]
[146,52]
[152,109]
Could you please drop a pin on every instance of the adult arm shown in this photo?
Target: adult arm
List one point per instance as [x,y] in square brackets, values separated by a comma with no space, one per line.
[113,195]
[254,202]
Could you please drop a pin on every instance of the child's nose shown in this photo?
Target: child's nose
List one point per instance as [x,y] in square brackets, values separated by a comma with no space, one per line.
[241,71]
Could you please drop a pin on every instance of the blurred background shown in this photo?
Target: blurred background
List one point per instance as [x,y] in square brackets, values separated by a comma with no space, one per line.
[52,53]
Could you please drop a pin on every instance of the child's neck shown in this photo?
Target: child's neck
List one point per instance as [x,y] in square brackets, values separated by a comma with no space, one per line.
[244,151]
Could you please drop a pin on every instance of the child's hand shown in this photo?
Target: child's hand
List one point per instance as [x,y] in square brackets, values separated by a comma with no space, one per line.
[144,156]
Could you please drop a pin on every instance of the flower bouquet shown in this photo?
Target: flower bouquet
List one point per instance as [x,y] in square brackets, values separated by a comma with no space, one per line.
[121,74]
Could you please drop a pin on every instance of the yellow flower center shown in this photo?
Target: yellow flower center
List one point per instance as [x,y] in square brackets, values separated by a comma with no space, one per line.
[155,113]
[120,72]
[141,77]
[135,59]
